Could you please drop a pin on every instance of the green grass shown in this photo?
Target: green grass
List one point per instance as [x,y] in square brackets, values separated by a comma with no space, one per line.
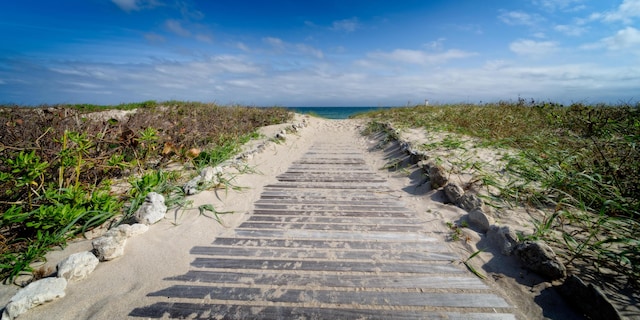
[579,163]
[57,165]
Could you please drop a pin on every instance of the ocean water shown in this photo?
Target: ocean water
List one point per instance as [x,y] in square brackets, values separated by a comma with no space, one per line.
[334,112]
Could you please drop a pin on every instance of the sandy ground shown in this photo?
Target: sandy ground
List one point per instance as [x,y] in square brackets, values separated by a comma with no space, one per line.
[117,287]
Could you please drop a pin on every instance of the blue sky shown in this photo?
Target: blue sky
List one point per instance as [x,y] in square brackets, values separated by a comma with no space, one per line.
[319,53]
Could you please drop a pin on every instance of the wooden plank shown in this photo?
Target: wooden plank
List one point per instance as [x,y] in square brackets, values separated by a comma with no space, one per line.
[373,202]
[330,207]
[324,265]
[227,312]
[333,244]
[326,213]
[349,220]
[284,253]
[333,235]
[376,298]
[369,281]
[331,226]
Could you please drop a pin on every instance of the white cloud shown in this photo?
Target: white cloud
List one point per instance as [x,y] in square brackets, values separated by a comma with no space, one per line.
[532,48]
[626,12]
[346,25]
[514,18]
[420,57]
[564,5]
[626,38]
[571,30]
[135,5]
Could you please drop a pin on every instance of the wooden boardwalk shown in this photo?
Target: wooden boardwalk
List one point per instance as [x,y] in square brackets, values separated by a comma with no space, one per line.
[327,242]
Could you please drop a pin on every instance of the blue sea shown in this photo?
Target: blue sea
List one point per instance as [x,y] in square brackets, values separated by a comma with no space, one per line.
[334,112]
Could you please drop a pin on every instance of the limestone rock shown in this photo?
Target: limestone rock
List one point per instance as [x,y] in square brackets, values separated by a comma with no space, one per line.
[152,210]
[453,192]
[109,246]
[437,176]
[210,174]
[478,218]
[470,201]
[138,229]
[503,237]
[35,294]
[538,257]
[77,266]
[191,187]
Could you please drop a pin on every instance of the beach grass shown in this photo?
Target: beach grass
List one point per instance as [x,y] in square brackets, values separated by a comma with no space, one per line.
[579,163]
[58,164]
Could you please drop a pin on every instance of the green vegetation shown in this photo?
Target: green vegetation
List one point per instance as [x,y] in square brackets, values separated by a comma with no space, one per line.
[58,163]
[578,163]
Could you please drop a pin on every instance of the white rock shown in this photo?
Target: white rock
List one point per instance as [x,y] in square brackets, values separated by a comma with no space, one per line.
[191,187]
[138,229]
[109,247]
[77,266]
[33,295]
[210,174]
[152,210]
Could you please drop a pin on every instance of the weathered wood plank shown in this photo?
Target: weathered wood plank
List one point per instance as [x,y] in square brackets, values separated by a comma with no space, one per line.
[376,298]
[331,227]
[370,281]
[348,220]
[332,244]
[326,265]
[302,254]
[327,213]
[332,235]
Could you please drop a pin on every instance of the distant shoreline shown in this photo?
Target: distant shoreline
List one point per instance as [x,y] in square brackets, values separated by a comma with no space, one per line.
[334,112]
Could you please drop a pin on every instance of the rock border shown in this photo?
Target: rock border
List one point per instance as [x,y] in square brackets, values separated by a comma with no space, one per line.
[111,245]
[535,256]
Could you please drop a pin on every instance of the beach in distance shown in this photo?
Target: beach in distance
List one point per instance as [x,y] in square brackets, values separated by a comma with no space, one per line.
[334,112]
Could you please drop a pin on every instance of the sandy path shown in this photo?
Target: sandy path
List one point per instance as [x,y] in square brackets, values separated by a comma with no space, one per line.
[170,253]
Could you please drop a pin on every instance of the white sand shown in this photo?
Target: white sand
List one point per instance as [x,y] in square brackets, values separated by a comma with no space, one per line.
[117,287]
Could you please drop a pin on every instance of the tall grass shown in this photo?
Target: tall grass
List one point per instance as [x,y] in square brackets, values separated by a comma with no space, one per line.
[581,163]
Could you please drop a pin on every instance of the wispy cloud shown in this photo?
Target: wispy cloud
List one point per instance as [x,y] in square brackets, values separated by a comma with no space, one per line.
[532,48]
[346,25]
[288,48]
[176,27]
[135,5]
[571,30]
[628,11]
[563,5]
[420,57]
[515,18]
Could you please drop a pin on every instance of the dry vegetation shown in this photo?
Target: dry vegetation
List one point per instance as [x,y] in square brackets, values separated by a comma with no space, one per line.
[57,164]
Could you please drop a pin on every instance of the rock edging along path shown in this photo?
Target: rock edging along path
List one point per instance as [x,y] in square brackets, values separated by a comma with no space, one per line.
[326,242]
